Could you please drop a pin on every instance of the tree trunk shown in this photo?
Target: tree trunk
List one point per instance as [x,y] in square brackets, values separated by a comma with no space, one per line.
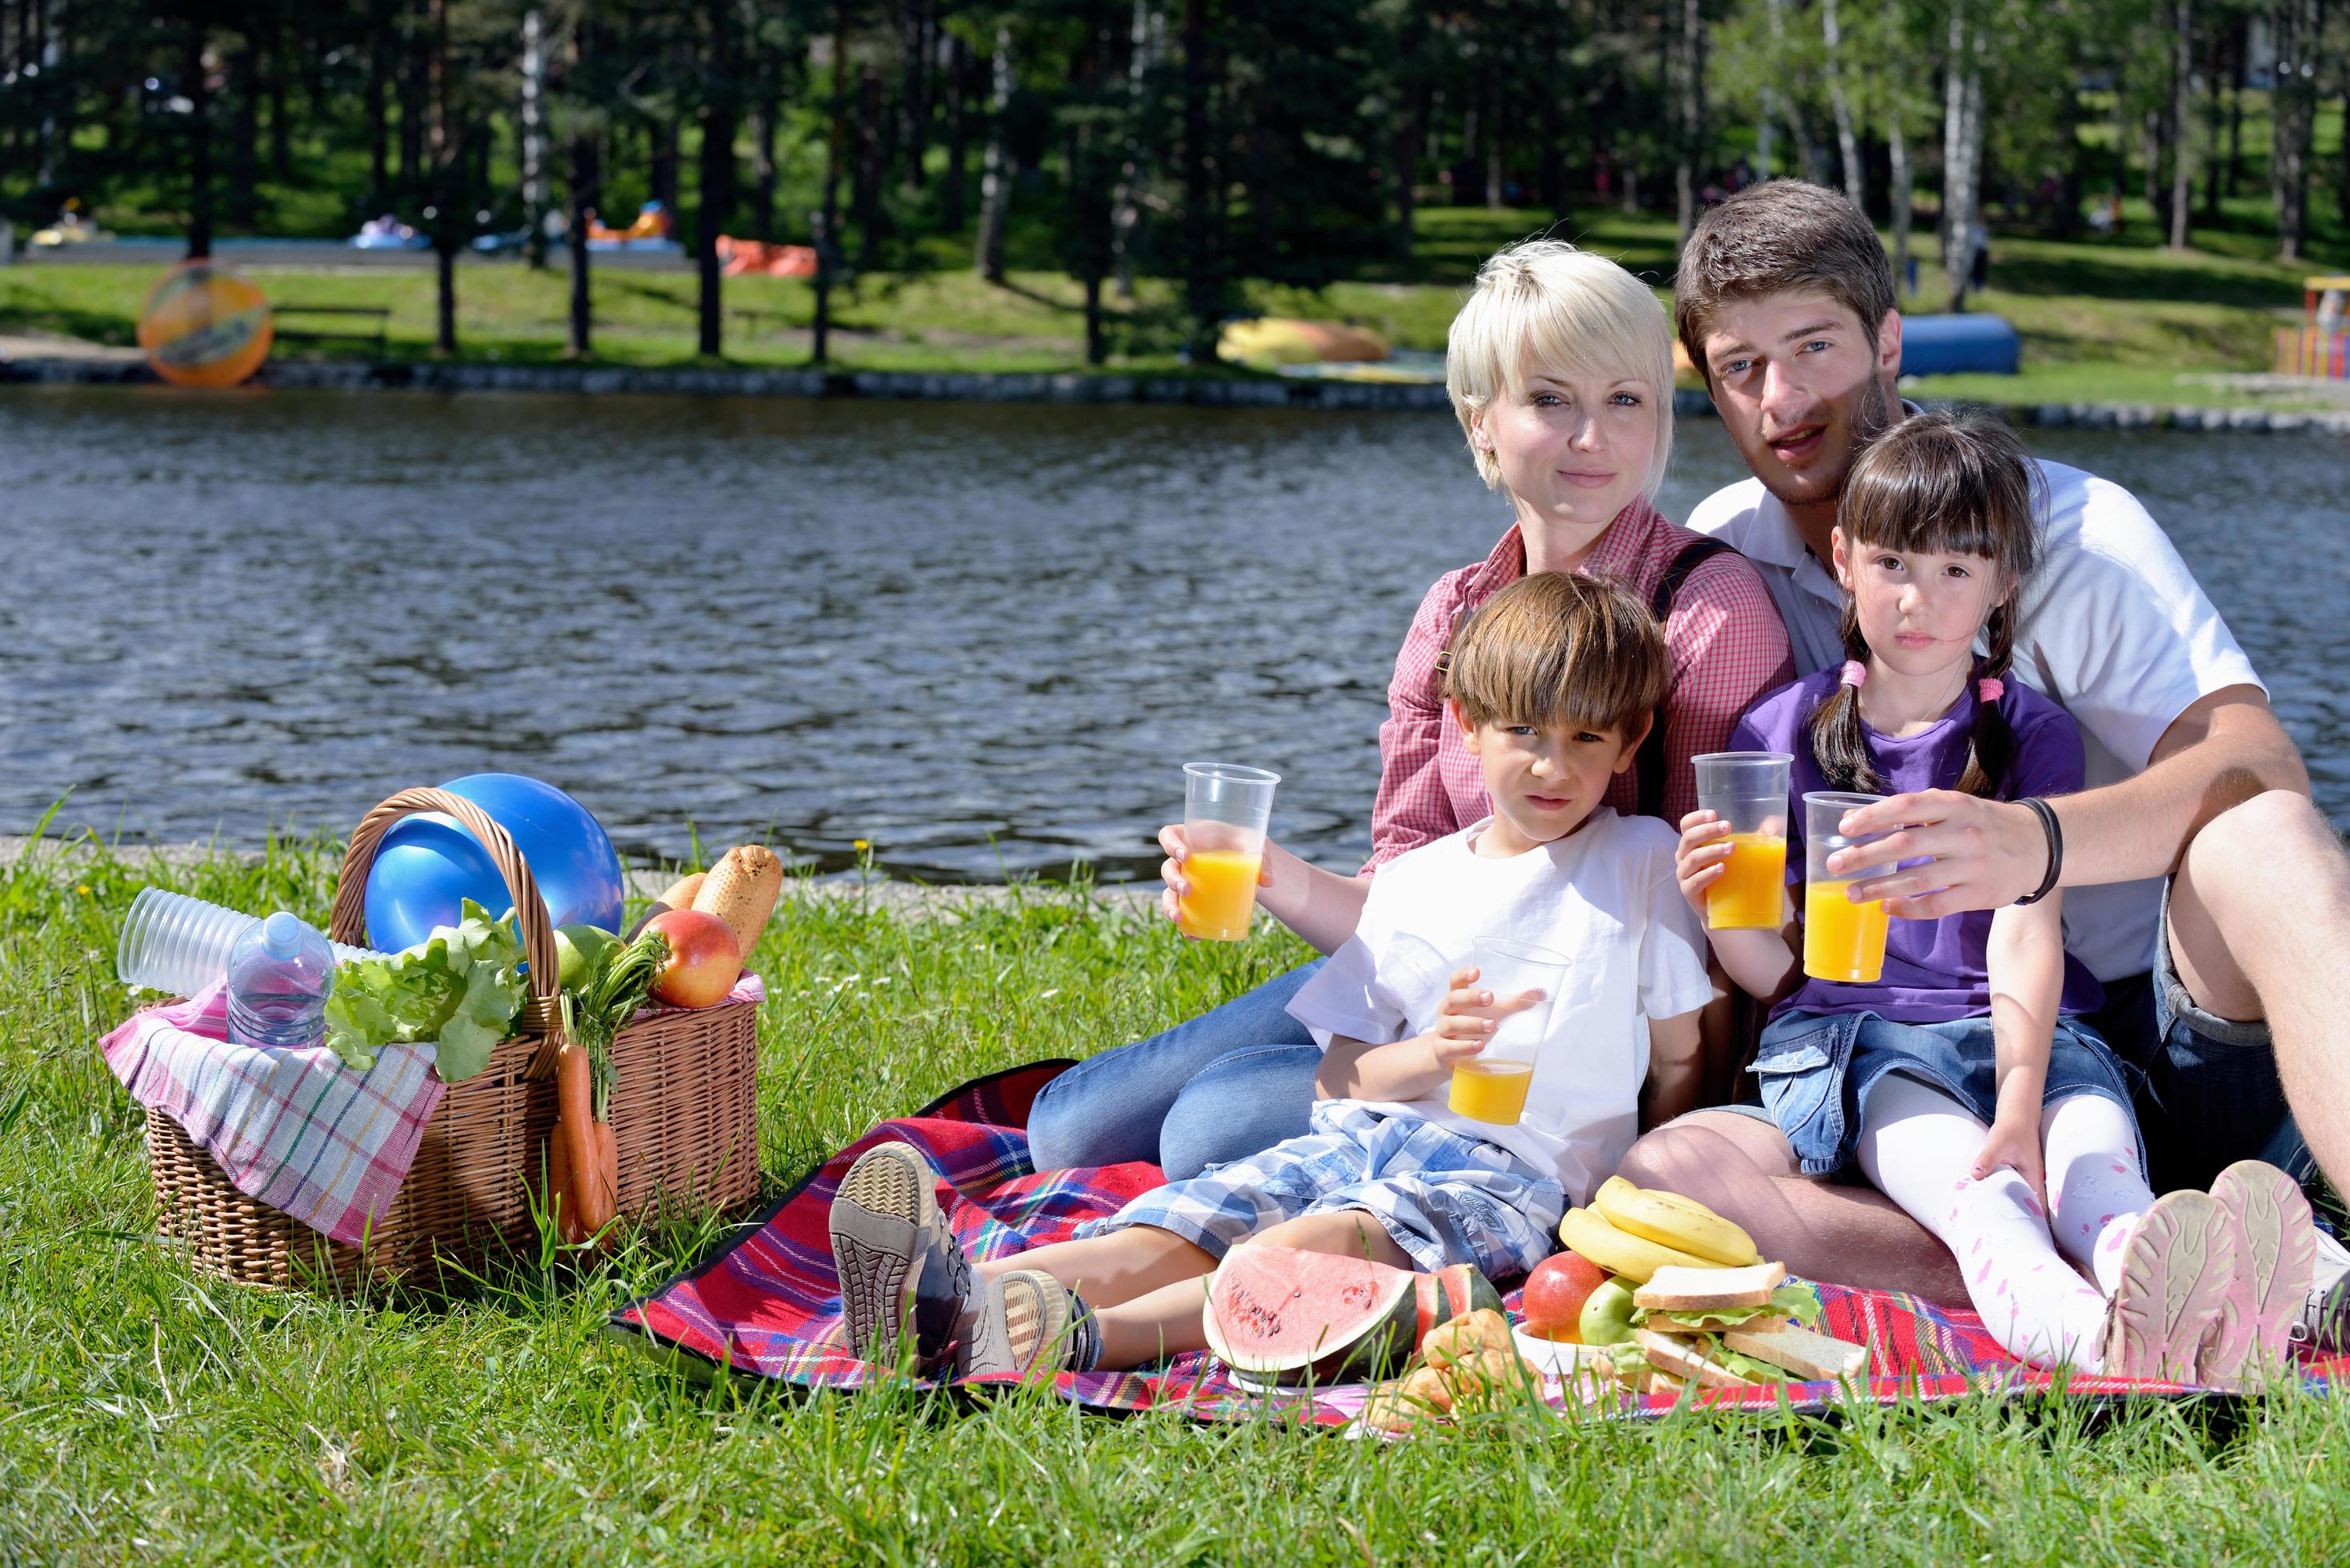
[1903,196]
[281,145]
[200,144]
[1689,114]
[664,135]
[995,164]
[2294,25]
[1855,176]
[872,124]
[378,115]
[2182,115]
[415,67]
[1408,137]
[444,144]
[1202,280]
[2239,46]
[532,133]
[1134,172]
[763,116]
[958,177]
[828,244]
[718,113]
[1961,140]
[582,193]
[917,28]
[2214,65]
[245,139]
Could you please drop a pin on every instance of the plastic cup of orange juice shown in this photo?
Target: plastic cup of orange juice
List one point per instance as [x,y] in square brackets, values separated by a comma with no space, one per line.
[1747,789]
[1226,810]
[1842,941]
[1492,1086]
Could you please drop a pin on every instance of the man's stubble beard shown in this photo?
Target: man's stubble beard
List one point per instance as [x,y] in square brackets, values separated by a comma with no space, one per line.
[1873,411]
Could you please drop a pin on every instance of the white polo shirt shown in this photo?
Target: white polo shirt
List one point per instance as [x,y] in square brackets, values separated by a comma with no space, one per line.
[2114,628]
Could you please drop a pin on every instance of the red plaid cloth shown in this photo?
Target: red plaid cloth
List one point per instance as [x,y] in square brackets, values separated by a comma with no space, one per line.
[291,1127]
[1728,647]
[764,1304]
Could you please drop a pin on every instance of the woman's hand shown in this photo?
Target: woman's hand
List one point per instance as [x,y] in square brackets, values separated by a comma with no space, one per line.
[1703,856]
[2015,1145]
[1171,870]
[1468,1016]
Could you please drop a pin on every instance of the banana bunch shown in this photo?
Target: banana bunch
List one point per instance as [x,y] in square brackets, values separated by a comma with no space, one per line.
[1635,1230]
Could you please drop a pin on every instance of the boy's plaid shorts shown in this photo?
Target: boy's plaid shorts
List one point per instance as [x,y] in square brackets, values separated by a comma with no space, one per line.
[1446,1198]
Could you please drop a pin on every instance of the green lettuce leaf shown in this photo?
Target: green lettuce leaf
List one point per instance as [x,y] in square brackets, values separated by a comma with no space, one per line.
[461,986]
[1787,1301]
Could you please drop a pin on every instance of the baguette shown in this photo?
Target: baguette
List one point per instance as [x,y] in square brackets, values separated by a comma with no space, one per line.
[1810,1356]
[741,890]
[1677,1289]
[1465,1338]
[1686,1361]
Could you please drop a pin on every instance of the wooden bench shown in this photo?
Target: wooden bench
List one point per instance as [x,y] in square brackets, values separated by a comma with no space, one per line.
[377,315]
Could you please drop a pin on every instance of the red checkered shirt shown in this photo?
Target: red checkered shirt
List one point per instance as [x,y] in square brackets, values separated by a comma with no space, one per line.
[1727,643]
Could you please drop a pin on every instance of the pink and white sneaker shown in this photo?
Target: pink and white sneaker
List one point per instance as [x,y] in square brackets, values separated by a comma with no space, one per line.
[2178,1284]
[2276,1257]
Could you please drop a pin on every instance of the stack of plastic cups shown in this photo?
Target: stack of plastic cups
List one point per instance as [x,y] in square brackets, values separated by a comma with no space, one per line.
[173,943]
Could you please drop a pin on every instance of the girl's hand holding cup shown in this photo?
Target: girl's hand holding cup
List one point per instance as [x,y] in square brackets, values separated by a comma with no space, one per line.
[1702,858]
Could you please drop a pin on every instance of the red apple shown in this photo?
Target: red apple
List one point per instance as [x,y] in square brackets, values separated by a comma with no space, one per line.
[1556,1293]
[703,961]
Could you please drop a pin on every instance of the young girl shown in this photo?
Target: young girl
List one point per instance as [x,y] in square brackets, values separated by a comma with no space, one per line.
[1965,1081]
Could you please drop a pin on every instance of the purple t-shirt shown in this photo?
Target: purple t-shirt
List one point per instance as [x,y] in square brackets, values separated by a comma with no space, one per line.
[1934,969]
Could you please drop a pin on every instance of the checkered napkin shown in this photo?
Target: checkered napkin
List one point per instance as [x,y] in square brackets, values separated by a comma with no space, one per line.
[292,1127]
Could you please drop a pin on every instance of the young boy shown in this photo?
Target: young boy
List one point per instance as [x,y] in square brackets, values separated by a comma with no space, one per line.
[1553,683]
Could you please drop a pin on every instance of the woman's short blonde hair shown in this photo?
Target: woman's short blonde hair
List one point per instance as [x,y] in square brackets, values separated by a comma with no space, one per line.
[1544,305]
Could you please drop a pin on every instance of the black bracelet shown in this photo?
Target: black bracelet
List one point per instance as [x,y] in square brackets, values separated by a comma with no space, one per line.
[2048,822]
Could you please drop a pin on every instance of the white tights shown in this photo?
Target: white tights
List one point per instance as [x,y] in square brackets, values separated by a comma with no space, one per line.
[1919,1146]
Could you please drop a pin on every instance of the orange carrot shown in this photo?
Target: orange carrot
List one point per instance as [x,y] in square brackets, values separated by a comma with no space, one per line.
[589,1205]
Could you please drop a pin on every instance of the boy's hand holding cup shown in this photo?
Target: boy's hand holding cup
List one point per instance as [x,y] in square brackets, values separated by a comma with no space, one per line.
[1469,1015]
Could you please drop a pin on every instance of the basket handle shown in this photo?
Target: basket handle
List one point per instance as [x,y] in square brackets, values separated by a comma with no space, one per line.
[539,1014]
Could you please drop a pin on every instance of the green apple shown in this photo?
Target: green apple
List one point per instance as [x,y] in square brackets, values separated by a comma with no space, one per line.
[1606,1317]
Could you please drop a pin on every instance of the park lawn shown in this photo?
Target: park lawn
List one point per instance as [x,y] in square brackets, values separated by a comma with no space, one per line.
[146,1412]
[2112,320]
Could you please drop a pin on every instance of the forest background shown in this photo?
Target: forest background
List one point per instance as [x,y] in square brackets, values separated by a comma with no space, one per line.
[1133,173]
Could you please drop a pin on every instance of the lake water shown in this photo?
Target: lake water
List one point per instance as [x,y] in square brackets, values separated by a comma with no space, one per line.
[981,637]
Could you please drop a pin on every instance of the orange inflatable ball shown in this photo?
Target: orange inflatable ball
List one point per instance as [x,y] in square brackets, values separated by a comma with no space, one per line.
[703,961]
[203,326]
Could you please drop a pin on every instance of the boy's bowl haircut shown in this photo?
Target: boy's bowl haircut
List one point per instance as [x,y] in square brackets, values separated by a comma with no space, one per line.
[1559,649]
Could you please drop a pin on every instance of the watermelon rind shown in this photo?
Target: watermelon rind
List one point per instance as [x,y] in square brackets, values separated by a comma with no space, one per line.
[1376,1343]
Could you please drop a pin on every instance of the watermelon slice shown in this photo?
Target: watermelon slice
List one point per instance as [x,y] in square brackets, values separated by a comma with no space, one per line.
[1279,1316]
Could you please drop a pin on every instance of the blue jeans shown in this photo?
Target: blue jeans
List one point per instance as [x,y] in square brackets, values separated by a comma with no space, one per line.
[1224,1085]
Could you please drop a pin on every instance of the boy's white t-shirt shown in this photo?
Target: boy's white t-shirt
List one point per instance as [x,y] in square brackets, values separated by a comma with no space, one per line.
[2114,628]
[1605,895]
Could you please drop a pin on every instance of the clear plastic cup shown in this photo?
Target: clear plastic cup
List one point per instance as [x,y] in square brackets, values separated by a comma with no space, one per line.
[173,943]
[1748,790]
[1226,810]
[1492,1086]
[1842,941]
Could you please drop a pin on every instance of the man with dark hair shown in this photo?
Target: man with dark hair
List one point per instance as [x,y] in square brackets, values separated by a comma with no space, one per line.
[2219,969]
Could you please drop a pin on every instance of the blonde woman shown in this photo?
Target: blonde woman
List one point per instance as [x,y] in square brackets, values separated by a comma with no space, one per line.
[1560,369]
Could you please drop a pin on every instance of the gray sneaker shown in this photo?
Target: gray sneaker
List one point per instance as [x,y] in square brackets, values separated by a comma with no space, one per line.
[2179,1280]
[901,1271]
[2323,1326]
[1020,1329]
[2276,1252]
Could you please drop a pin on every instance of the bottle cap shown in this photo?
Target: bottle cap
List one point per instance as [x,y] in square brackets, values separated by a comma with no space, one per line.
[282,934]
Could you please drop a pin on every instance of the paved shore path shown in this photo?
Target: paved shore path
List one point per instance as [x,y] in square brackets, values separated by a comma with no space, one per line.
[924,899]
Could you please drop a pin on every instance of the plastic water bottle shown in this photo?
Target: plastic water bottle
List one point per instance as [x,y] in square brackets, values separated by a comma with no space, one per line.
[278,977]
[173,943]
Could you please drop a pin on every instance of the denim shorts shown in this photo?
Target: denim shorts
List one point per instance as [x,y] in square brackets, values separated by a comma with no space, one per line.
[1817,1070]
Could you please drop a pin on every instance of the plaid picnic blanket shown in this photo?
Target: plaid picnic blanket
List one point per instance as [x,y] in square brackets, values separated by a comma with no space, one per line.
[764,1304]
[291,1127]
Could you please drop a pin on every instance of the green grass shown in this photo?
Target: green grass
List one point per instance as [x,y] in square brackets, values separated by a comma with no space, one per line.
[148,1412]
[2110,320]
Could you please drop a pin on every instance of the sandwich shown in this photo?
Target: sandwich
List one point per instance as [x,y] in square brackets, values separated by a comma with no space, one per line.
[1729,1328]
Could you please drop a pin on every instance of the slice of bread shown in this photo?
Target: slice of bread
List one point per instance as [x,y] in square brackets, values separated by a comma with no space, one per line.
[1808,1356]
[1686,1359]
[1677,1288]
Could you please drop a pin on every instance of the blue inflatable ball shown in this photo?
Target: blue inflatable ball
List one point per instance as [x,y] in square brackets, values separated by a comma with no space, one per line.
[428,864]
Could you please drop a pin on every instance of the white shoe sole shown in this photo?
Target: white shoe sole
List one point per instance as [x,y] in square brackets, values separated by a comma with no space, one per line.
[2276,1256]
[2179,1277]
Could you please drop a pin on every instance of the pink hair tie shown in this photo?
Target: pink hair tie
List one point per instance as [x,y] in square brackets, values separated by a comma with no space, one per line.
[1991,689]
[1855,672]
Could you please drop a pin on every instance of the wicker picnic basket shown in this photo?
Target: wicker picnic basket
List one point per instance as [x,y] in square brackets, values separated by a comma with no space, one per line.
[683,1112]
